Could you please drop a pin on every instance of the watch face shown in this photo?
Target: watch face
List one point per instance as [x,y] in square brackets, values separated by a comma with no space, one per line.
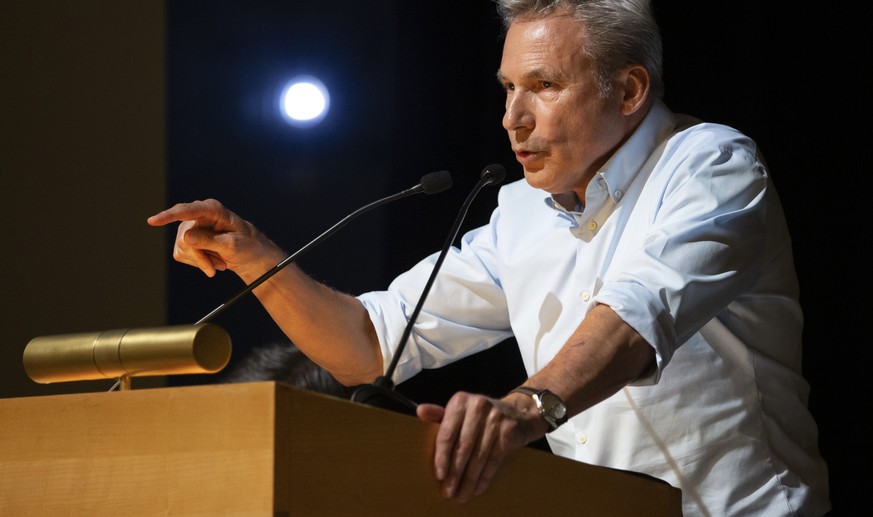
[553,407]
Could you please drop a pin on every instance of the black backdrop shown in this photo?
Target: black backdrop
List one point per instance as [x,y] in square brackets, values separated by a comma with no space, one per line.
[413,91]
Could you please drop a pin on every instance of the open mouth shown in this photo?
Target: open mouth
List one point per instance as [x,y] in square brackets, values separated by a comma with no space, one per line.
[525,156]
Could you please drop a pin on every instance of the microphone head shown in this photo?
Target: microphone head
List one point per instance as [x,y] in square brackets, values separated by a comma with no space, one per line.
[493,174]
[436,182]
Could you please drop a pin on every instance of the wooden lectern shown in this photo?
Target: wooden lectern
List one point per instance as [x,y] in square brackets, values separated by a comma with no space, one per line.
[266,448]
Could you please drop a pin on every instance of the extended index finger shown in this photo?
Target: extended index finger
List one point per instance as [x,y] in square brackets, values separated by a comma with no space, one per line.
[197,210]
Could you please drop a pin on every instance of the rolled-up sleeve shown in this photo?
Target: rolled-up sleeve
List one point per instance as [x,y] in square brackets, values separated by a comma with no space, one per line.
[703,244]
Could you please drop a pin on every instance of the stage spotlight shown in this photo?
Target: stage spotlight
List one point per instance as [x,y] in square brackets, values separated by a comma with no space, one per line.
[305,101]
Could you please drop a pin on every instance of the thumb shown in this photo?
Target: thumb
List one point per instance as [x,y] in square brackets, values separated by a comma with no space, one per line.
[430,412]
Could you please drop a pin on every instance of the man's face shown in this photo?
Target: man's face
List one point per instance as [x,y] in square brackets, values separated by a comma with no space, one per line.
[559,127]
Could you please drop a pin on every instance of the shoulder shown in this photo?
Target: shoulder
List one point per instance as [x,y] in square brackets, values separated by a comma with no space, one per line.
[694,135]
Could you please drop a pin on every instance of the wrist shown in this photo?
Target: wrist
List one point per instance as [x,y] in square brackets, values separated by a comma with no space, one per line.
[264,262]
[527,412]
[547,406]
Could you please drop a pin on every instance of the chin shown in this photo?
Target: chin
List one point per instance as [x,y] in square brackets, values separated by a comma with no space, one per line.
[541,179]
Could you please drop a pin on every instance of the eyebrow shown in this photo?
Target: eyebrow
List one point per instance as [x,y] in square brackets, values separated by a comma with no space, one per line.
[536,73]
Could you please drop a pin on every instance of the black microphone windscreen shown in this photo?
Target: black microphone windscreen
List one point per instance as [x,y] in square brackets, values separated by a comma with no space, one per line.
[494,173]
[436,182]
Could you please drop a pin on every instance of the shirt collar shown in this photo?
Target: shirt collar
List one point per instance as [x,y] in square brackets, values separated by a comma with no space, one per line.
[623,166]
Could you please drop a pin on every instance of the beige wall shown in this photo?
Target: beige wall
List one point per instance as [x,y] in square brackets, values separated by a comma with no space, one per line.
[82,164]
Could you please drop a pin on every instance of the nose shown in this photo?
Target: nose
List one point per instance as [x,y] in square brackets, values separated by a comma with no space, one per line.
[518,114]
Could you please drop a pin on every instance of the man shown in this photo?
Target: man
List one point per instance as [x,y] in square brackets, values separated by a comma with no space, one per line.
[643,266]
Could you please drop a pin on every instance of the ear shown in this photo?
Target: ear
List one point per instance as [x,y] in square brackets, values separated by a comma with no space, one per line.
[635,82]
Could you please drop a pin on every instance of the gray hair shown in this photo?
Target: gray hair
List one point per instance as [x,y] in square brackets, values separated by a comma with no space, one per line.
[618,33]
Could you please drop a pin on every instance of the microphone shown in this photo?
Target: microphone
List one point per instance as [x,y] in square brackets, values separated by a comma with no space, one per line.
[381,392]
[431,183]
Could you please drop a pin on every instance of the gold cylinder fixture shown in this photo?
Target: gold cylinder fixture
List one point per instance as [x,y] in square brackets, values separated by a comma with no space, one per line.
[123,353]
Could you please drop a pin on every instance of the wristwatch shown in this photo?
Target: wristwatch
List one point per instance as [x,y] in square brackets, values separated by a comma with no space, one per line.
[550,406]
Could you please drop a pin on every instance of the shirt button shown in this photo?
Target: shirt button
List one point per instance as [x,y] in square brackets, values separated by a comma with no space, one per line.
[585,296]
[592,225]
[618,194]
[583,439]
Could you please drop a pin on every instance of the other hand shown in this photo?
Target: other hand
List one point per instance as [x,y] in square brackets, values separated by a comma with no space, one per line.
[475,436]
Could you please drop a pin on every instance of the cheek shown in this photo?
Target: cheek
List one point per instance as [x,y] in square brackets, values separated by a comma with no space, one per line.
[578,146]
[570,133]
[589,129]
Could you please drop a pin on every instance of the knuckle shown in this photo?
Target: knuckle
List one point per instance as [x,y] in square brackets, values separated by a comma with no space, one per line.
[445,436]
[463,450]
[495,416]
[483,455]
[480,403]
[213,204]
[233,243]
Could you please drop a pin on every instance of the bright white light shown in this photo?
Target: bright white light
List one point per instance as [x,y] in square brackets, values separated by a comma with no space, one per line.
[305,101]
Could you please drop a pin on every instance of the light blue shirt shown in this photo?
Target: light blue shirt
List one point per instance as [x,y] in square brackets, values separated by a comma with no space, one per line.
[683,235]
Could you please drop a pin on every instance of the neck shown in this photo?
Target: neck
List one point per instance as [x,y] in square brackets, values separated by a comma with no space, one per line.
[567,200]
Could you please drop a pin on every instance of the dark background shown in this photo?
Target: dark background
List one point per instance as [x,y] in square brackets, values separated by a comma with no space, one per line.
[413,91]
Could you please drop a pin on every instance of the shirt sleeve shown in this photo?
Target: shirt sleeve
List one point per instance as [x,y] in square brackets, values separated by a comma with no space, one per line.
[703,244]
[464,313]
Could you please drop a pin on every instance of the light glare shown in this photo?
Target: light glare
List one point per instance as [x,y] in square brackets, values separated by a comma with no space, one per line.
[305,101]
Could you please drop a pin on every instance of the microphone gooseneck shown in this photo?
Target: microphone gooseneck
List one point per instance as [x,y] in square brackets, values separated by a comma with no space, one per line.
[381,392]
[431,183]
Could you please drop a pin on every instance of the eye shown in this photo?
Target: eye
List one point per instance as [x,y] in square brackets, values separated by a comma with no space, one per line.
[546,85]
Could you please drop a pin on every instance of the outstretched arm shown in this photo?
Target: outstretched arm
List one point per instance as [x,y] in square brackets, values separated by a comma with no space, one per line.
[331,328]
